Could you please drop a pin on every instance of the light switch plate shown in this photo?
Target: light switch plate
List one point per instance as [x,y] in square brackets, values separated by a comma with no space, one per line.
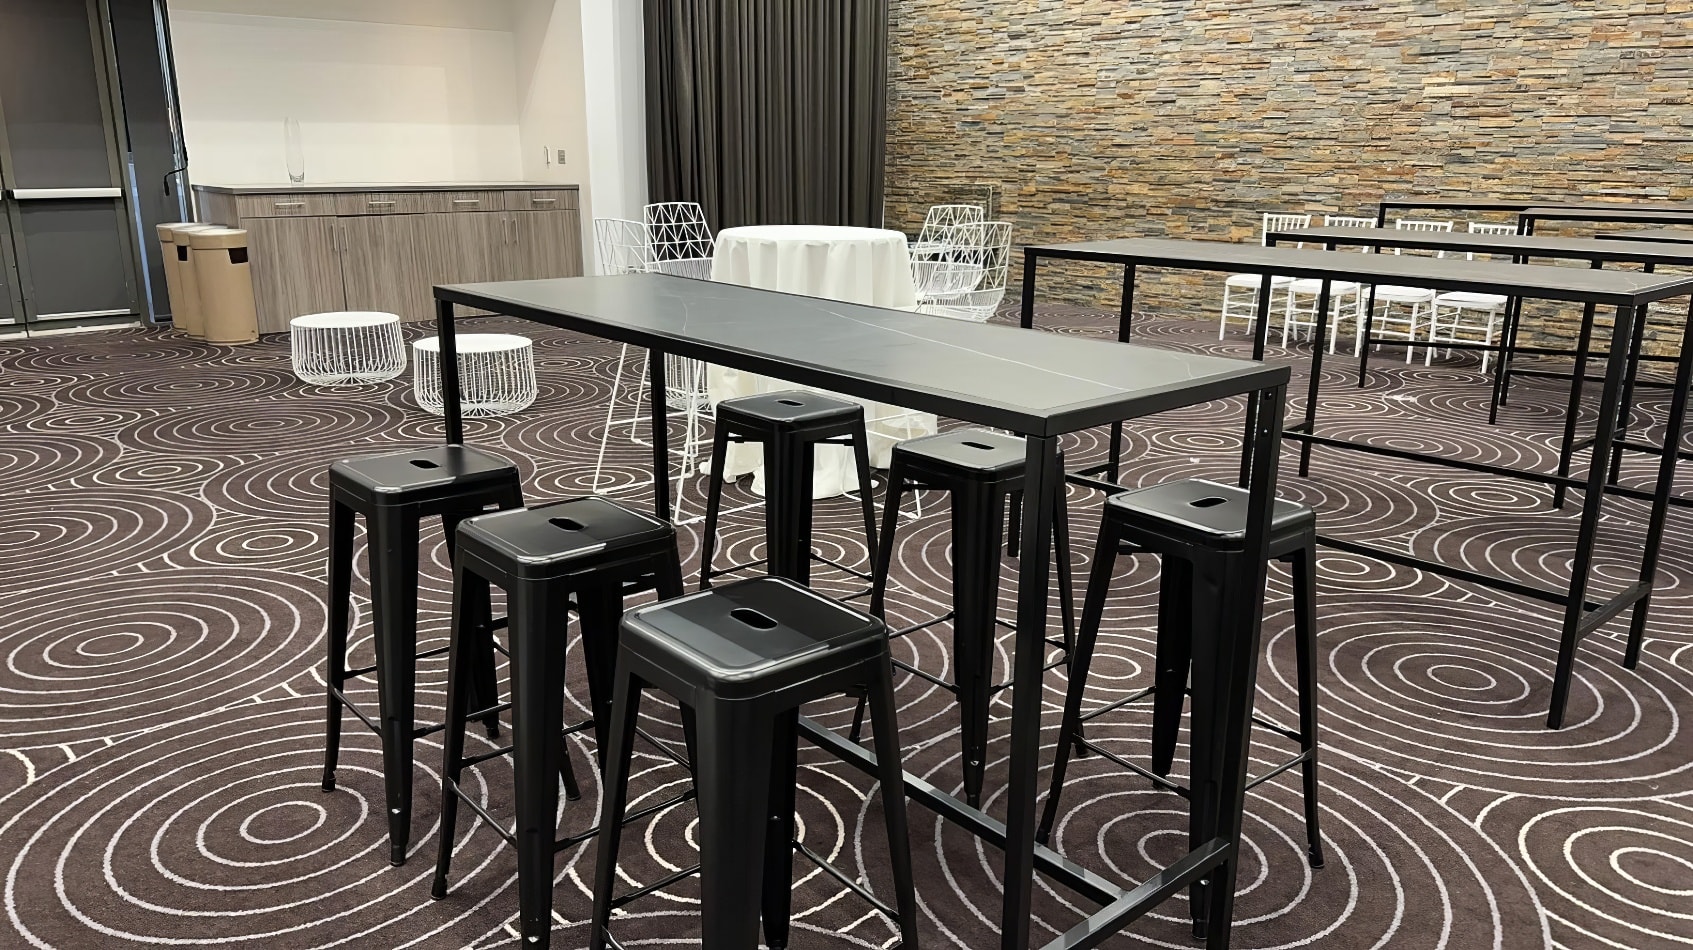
[561,156]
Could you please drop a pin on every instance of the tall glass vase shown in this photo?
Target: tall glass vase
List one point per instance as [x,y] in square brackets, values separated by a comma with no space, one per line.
[293,150]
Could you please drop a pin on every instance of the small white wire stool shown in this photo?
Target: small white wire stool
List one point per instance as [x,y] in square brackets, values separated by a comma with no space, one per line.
[347,348]
[496,373]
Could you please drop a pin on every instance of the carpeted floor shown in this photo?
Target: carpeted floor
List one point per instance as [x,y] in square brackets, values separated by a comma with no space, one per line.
[161,620]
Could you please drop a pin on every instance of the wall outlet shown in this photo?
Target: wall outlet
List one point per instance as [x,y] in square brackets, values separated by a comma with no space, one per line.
[561,156]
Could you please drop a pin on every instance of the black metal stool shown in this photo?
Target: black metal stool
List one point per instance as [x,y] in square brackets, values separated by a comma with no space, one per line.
[586,549]
[394,492]
[1197,528]
[790,425]
[744,657]
[983,472]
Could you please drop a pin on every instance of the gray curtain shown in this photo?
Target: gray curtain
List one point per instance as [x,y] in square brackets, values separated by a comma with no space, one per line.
[768,111]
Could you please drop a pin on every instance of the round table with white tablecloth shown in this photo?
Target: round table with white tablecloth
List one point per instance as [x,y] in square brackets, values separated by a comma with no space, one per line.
[855,265]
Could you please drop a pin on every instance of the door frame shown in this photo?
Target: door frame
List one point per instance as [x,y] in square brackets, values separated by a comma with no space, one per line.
[104,58]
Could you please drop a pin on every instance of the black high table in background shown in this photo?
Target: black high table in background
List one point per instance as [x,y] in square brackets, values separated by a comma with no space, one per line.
[1522,248]
[1627,291]
[1038,385]
[1660,235]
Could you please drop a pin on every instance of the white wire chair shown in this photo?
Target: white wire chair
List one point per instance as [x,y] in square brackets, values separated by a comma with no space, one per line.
[1346,298]
[1246,285]
[981,255]
[679,241]
[626,247]
[937,269]
[1455,304]
[1412,300]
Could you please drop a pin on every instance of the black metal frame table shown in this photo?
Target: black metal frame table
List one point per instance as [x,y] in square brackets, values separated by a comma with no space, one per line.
[1520,205]
[1627,291]
[1040,386]
[1522,248]
[1602,214]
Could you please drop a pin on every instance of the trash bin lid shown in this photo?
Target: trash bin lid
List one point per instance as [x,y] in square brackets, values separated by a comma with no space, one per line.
[180,232]
[210,238]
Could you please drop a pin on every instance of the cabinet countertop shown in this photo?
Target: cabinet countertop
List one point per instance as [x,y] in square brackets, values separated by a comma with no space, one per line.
[331,188]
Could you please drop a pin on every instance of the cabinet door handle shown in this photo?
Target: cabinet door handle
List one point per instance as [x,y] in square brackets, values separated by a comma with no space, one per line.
[289,204]
[380,204]
[542,201]
[467,201]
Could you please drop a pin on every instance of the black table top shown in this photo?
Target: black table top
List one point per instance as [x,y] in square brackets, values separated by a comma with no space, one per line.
[994,375]
[1540,281]
[1526,245]
[1656,235]
[1494,204]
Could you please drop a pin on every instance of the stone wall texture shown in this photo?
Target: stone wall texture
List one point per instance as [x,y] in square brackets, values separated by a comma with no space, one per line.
[1087,119]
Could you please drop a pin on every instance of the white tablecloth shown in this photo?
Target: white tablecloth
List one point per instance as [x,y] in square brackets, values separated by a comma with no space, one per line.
[855,265]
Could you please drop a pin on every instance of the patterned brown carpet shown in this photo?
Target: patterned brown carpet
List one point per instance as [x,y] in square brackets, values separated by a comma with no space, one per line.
[161,576]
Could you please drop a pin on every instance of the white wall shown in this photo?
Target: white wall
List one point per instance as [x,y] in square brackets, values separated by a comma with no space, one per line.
[377,100]
[613,61]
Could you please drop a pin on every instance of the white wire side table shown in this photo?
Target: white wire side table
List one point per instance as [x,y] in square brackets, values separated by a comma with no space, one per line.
[496,373]
[347,348]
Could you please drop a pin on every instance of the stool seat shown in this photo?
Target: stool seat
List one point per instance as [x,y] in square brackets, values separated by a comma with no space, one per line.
[789,407]
[753,637]
[1207,513]
[420,476]
[552,540]
[969,452]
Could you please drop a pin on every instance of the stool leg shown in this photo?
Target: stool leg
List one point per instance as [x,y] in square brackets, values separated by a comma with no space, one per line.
[1014,529]
[861,454]
[537,683]
[779,833]
[601,610]
[885,546]
[977,526]
[1305,638]
[470,616]
[393,582]
[735,746]
[1206,739]
[340,619]
[1070,728]
[482,669]
[885,721]
[713,502]
[625,708]
[1175,643]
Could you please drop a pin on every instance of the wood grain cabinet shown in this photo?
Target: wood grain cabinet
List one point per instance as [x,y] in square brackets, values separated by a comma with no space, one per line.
[383,247]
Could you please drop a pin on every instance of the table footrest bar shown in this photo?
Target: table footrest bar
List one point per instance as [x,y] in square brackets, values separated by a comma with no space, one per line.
[991,831]
[847,882]
[1444,570]
[1636,446]
[1544,478]
[1585,442]
[1596,617]
[1135,767]
[657,885]
[1099,927]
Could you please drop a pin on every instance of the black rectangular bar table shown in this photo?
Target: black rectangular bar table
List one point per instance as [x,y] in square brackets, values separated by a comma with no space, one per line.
[1627,291]
[1038,385]
[1602,214]
[1520,205]
[1660,235]
[1523,248]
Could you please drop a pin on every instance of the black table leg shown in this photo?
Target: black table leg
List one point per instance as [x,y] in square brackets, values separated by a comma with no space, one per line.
[1028,302]
[1662,490]
[1592,503]
[1234,664]
[1042,480]
[1125,321]
[1636,342]
[450,409]
[661,434]
[1319,334]
[1260,332]
[1507,354]
[1566,449]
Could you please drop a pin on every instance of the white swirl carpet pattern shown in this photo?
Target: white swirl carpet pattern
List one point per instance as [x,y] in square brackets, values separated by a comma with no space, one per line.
[162,539]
